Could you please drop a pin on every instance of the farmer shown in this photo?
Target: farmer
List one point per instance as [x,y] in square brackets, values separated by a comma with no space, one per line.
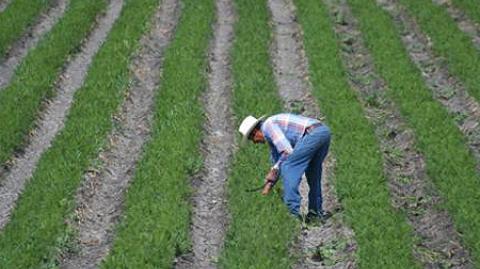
[298,145]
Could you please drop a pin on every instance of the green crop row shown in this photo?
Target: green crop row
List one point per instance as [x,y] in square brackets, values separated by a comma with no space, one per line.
[156,223]
[261,229]
[16,18]
[31,237]
[449,162]
[383,237]
[456,47]
[35,77]
[470,7]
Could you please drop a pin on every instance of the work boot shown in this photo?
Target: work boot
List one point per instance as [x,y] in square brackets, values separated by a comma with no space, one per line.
[316,218]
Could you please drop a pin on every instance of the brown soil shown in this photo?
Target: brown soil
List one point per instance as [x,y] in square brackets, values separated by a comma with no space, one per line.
[291,69]
[210,218]
[471,28]
[438,244]
[30,38]
[100,197]
[446,89]
[51,120]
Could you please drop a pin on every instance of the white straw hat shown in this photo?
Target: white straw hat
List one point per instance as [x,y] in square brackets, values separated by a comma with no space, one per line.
[247,126]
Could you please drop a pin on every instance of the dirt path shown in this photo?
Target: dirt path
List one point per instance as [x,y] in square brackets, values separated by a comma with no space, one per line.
[30,38]
[100,198]
[52,119]
[210,217]
[438,243]
[4,4]
[471,28]
[291,69]
[446,89]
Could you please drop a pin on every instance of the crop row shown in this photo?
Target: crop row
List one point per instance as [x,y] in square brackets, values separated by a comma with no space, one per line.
[16,18]
[37,225]
[260,226]
[448,159]
[470,7]
[155,226]
[34,80]
[453,45]
[381,233]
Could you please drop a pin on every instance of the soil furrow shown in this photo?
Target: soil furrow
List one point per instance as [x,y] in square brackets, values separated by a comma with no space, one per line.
[210,217]
[31,37]
[100,197]
[52,119]
[290,69]
[446,89]
[471,28]
[438,244]
[4,4]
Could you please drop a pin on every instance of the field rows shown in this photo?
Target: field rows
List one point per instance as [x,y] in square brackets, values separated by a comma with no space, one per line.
[20,48]
[119,145]
[410,186]
[469,24]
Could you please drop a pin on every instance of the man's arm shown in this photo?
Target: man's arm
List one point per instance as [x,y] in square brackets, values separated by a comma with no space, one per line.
[279,141]
[282,146]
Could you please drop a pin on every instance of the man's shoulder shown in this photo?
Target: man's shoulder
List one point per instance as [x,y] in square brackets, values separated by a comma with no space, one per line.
[279,116]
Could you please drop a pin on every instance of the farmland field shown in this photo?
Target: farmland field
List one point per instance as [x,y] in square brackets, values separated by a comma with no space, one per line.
[119,142]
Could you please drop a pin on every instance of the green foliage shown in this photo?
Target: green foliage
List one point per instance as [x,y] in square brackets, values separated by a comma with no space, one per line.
[456,47]
[261,228]
[35,77]
[382,234]
[450,164]
[37,227]
[156,224]
[16,18]
[470,7]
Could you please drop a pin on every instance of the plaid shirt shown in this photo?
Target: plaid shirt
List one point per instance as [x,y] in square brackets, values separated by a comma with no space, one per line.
[282,132]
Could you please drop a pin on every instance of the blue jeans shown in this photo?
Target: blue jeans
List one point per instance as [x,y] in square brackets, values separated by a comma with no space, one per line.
[307,157]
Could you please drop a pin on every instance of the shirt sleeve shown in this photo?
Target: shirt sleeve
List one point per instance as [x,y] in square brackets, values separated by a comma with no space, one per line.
[274,155]
[279,140]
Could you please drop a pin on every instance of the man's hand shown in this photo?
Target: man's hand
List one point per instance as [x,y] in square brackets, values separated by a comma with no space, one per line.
[270,180]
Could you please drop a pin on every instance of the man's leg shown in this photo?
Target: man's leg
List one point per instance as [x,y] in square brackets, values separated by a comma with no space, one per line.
[291,196]
[314,170]
[294,167]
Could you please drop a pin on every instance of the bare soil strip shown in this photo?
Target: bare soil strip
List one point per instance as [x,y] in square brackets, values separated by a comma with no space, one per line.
[446,89]
[471,28]
[99,199]
[291,69]
[31,37]
[210,217]
[438,244]
[52,120]
[4,4]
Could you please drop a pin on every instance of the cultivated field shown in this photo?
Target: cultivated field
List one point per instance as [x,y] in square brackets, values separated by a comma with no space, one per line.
[119,145]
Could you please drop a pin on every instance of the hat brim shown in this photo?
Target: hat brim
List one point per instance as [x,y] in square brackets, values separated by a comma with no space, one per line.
[245,137]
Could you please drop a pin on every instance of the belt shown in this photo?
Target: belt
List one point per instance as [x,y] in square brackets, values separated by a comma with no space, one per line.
[312,127]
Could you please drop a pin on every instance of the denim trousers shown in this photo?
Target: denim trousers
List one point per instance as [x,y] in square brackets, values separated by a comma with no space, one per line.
[307,157]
